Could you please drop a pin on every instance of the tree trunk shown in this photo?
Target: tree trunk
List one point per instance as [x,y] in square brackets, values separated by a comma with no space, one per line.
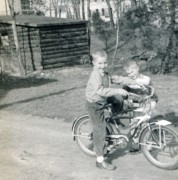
[6,7]
[14,29]
[133,4]
[60,9]
[76,8]
[89,20]
[55,4]
[69,14]
[88,10]
[83,10]
[55,12]
[50,8]
[110,14]
[168,58]
[117,31]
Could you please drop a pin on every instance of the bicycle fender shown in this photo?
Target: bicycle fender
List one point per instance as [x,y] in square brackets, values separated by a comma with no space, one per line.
[75,122]
[161,122]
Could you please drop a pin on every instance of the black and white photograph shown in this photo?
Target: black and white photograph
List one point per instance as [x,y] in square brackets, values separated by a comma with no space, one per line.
[88,89]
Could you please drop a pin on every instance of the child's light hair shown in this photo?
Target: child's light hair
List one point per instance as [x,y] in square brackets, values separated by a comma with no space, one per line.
[99,53]
[131,64]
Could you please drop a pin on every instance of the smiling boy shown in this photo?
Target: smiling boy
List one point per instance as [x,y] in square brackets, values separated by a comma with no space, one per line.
[97,92]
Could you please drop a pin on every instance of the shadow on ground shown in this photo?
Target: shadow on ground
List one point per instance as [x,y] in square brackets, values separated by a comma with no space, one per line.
[171,116]
[38,97]
[13,82]
[117,153]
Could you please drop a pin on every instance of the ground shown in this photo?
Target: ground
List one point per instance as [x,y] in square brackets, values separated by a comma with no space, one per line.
[35,133]
[42,149]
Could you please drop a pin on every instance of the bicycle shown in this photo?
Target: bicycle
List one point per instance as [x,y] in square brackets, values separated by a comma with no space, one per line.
[157,139]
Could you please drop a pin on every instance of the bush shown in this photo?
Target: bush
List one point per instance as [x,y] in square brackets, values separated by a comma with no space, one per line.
[144,32]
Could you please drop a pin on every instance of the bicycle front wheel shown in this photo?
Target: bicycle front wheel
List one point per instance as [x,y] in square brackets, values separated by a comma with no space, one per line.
[160,146]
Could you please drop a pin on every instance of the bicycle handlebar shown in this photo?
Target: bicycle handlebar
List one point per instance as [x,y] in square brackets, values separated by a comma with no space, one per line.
[146,97]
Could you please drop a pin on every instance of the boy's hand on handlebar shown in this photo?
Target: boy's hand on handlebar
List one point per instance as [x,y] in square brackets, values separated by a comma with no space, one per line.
[123,92]
[138,86]
[115,79]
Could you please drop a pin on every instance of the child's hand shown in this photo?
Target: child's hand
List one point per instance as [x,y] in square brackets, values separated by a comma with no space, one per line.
[123,92]
[138,86]
[115,79]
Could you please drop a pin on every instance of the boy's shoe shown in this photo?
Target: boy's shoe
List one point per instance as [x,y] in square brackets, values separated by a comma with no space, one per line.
[134,148]
[106,153]
[105,165]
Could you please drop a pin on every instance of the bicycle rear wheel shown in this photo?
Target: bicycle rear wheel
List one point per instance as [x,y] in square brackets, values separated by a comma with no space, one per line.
[84,135]
[160,146]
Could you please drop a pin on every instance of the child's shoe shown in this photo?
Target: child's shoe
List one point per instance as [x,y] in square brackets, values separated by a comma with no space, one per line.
[105,165]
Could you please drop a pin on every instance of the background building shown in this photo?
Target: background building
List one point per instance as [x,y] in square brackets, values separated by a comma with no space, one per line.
[20,6]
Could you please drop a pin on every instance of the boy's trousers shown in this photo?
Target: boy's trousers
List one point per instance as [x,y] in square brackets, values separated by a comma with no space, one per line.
[96,113]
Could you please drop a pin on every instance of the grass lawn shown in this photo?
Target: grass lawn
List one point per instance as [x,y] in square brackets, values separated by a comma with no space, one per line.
[60,93]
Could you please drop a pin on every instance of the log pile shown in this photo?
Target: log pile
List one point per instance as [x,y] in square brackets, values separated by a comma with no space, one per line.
[29,46]
[45,44]
[63,45]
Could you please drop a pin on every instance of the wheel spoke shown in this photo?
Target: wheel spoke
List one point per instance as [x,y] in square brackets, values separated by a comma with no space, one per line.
[85,135]
[154,152]
[160,146]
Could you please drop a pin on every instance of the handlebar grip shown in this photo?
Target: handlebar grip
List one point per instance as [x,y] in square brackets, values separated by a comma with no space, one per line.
[146,97]
[152,92]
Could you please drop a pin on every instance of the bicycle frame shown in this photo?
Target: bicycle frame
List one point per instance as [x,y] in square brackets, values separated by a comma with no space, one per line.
[139,119]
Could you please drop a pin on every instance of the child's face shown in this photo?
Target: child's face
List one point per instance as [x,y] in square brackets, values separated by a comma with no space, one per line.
[132,72]
[101,63]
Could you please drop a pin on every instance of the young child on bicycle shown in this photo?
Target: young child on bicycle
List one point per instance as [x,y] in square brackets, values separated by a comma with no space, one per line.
[97,92]
[135,81]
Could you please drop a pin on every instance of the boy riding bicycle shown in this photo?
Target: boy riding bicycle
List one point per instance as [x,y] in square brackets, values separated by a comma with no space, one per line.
[97,92]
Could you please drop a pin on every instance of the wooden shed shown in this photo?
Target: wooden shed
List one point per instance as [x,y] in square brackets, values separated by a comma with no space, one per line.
[46,42]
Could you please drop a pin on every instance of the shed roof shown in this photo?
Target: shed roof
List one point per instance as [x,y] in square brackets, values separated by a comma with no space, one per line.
[39,21]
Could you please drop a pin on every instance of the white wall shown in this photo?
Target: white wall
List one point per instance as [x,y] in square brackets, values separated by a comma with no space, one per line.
[100,4]
[4,8]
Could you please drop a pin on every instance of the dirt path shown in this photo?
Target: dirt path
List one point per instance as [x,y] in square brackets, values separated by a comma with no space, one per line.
[42,149]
